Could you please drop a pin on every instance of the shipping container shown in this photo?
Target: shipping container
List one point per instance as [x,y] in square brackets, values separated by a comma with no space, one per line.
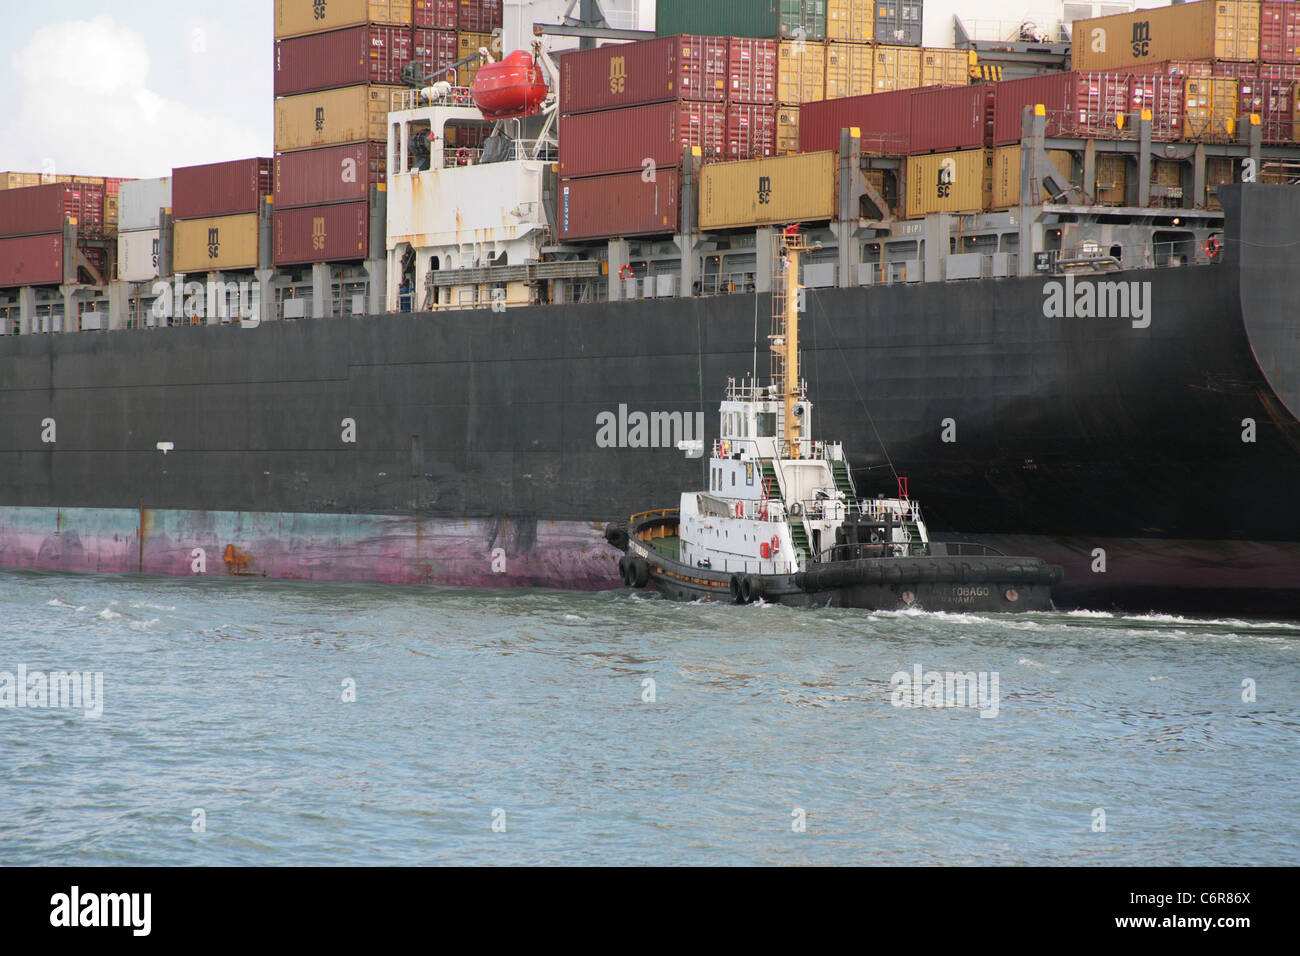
[31,210]
[801,72]
[751,71]
[220,189]
[21,180]
[766,19]
[141,201]
[354,114]
[1276,88]
[622,204]
[1162,95]
[1209,29]
[1219,171]
[1112,179]
[947,182]
[467,44]
[761,192]
[335,233]
[215,243]
[896,68]
[31,260]
[1005,161]
[787,129]
[948,118]
[436,51]
[111,210]
[945,67]
[850,69]
[435,14]
[138,255]
[335,174]
[899,22]
[884,121]
[1279,32]
[299,17]
[1210,107]
[479,16]
[1087,104]
[653,71]
[640,138]
[852,20]
[1172,68]
[751,131]
[323,61]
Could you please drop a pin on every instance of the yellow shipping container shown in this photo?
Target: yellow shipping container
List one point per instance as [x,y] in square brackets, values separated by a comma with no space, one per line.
[787,129]
[896,68]
[1004,189]
[1112,179]
[210,245]
[353,114]
[950,67]
[468,44]
[110,212]
[948,182]
[1210,107]
[19,180]
[801,72]
[848,69]
[762,192]
[853,20]
[295,18]
[1210,29]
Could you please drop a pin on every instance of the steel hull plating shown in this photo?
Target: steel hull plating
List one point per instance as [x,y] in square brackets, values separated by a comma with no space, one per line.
[1071,434]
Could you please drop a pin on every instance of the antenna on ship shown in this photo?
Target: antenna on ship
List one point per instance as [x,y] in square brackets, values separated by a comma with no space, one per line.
[785,333]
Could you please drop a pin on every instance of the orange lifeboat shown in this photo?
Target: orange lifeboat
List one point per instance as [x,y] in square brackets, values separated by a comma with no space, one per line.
[509,88]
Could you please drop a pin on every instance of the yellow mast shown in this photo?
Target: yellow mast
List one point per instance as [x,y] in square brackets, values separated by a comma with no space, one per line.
[785,340]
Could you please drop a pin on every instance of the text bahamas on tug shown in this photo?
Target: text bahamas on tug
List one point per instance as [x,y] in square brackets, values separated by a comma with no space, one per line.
[781,520]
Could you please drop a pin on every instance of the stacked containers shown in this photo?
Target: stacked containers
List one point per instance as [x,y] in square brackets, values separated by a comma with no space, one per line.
[1090,104]
[215,212]
[1279,32]
[767,19]
[899,22]
[138,251]
[31,230]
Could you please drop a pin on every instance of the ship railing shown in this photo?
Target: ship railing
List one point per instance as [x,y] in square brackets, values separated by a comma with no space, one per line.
[521,150]
[410,99]
[1023,30]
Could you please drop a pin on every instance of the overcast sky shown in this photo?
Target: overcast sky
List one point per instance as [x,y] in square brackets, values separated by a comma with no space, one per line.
[133,87]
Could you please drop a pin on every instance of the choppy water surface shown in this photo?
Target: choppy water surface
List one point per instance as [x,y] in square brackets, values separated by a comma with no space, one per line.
[226,697]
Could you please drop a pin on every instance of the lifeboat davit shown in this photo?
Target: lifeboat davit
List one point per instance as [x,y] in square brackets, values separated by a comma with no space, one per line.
[509,88]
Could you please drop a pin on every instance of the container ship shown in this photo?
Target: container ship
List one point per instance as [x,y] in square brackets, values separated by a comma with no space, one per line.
[481,300]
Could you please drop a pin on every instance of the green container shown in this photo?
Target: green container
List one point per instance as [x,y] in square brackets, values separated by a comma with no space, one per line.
[765,19]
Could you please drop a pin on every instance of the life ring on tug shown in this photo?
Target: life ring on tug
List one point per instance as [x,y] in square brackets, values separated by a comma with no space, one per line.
[776,544]
[740,510]
[462,156]
[1212,246]
[625,272]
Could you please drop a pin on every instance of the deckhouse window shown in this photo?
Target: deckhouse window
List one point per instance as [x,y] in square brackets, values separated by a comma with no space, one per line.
[767,424]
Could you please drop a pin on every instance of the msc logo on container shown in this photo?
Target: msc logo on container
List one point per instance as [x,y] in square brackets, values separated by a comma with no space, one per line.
[617,74]
[318,233]
[1141,38]
[320,119]
[318,9]
[764,190]
[214,243]
[946,178]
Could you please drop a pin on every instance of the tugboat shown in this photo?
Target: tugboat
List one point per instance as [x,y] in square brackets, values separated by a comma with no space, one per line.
[781,520]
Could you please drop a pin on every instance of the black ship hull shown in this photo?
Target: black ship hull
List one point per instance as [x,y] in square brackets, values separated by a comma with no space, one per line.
[1156,463]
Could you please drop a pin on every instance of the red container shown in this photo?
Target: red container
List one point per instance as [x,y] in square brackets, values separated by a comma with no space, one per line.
[951,117]
[639,138]
[220,189]
[1077,103]
[435,50]
[1275,100]
[314,177]
[883,119]
[751,131]
[435,14]
[323,61]
[478,16]
[44,209]
[338,233]
[624,204]
[751,71]
[1163,95]
[1172,68]
[31,260]
[652,71]
[1279,32]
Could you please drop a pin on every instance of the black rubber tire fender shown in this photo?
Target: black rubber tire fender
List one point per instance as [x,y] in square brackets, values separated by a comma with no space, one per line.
[639,571]
[734,587]
[756,587]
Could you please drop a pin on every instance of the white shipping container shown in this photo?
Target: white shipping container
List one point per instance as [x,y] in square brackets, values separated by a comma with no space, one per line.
[139,201]
[137,255]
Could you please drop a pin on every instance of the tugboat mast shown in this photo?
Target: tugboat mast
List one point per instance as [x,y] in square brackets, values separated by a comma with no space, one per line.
[785,335]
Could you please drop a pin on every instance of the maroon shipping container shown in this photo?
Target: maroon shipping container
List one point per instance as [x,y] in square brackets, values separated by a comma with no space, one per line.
[315,177]
[751,131]
[44,209]
[1171,68]
[624,204]
[1079,104]
[1163,95]
[652,71]
[435,49]
[1275,100]
[220,189]
[478,16]
[435,14]
[751,71]
[951,117]
[1279,32]
[323,61]
[337,233]
[884,120]
[31,260]
[619,141]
